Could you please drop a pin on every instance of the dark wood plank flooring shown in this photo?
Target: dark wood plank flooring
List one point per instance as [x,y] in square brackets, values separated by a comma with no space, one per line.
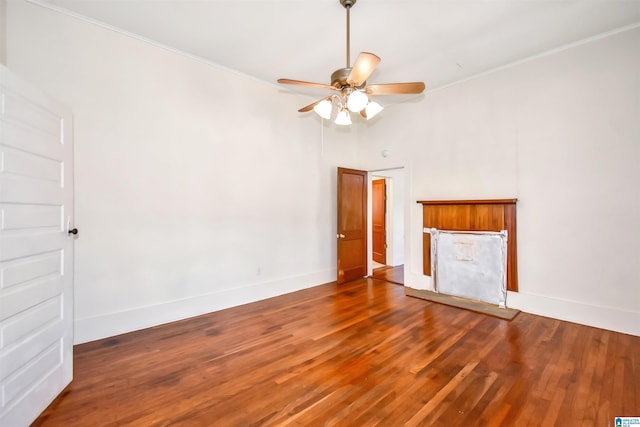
[353,355]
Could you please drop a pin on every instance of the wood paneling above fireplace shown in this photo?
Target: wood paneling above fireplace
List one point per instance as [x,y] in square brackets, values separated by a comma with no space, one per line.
[472,215]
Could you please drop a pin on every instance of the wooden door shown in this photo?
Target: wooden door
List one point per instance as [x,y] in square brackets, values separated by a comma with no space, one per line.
[379,220]
[36,251]
[352,224]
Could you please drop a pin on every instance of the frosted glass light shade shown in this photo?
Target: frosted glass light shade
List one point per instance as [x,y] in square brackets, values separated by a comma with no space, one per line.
[373,108]
[343,118]
[357,101]
[323,108]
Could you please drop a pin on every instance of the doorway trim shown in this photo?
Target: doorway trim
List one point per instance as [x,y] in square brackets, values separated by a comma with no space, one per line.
[392,196]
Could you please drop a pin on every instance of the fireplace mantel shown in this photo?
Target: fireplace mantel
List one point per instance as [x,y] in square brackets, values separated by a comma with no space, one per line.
[472,215]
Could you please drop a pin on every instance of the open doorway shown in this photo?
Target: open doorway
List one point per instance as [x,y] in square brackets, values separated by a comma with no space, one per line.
[379,221]
[386,224]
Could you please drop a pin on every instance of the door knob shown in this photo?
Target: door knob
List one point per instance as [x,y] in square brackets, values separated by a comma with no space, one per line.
[341,236]
[73,231]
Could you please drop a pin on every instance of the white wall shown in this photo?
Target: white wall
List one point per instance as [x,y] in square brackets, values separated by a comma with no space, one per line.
[196,188]
[3,32]
[562,134]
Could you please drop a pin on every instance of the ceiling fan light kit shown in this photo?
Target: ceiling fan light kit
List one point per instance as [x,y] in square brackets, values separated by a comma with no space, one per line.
[372,109]
[350,83]
[323,109]
[343,117]
[357,101]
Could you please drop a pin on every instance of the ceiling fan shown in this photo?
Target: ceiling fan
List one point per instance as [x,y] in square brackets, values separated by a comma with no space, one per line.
[349,86]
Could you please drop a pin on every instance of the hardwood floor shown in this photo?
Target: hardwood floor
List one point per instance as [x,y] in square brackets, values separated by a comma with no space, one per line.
[357,354]
[390,274]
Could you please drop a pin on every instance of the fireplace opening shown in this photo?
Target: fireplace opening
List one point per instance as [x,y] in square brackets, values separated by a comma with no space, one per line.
[470,264]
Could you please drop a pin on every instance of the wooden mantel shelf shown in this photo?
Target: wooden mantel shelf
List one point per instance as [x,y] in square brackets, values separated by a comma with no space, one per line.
[472,215]
[469,202]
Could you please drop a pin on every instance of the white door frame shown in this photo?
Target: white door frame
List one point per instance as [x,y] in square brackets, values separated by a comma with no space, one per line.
[391,194]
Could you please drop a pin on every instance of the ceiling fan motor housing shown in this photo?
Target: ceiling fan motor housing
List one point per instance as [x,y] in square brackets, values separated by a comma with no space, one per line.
[339,79]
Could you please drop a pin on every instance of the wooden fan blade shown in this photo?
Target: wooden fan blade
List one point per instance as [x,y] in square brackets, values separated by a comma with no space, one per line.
[302,83]
[362,69]
[310,106]
[395,88]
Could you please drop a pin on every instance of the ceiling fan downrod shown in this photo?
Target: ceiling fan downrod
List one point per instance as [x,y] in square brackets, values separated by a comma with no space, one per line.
[348,4]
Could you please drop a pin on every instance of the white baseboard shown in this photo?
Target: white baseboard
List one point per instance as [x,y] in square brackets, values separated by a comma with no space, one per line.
[612,319]
[627,322]
[417,281]
[110,324]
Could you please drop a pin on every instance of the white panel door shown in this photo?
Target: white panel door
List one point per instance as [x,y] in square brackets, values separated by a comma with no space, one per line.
[36,251]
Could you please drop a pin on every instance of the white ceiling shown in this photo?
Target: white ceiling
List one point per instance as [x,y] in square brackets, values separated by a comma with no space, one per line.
[435,41]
